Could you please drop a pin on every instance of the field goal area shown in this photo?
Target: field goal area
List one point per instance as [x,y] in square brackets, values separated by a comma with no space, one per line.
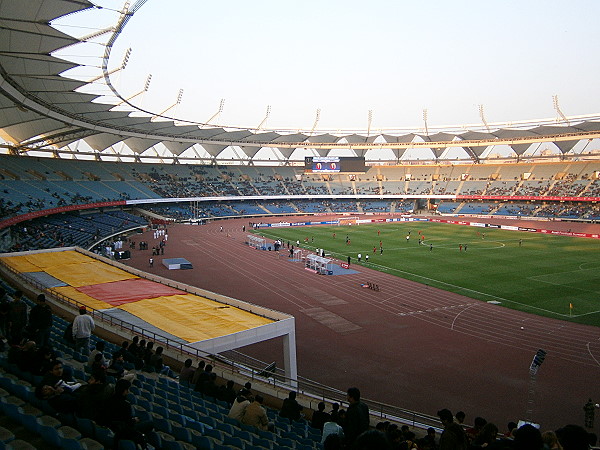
[347,221]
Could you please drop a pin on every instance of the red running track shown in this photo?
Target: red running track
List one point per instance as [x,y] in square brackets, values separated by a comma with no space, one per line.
[409,345]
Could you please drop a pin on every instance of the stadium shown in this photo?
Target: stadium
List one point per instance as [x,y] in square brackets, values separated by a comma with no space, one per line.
[86,178]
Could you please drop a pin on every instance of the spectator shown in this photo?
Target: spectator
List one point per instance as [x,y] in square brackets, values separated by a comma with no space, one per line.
[40,322]
[291,409]
[187,373]
[486,437]
[203,378]
[473,431]
[117,415]
[453,437]
[18,317]
[99,350]
[239,406]
[227,393]
[256,416]
[83,326]
[156,361]
[527,437]
[56,391]
[319,417]
[331,428]
[573,437]
[357,416]
[551,441]
[90,396]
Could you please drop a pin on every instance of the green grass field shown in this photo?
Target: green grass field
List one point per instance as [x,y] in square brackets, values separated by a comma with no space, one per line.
[544,275]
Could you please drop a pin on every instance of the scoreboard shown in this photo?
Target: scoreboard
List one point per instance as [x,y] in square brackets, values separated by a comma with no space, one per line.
[334,164]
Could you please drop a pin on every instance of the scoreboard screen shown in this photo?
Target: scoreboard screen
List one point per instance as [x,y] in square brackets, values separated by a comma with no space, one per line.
[334,164]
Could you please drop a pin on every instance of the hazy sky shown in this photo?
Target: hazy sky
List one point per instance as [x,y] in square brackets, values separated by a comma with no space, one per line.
[395,58]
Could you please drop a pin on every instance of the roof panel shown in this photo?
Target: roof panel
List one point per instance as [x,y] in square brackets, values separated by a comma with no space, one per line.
[40,10]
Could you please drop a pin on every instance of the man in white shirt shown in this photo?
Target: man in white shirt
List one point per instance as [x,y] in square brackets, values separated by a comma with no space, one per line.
[83,326]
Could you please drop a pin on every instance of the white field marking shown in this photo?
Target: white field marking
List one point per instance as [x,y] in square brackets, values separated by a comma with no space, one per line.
[441,308]
[501,299]
[433,280]
[590,352]
[456,317]
[594,266]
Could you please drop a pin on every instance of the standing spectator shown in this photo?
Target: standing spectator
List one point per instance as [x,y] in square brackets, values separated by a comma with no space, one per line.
[357,416]
[40,322]
[83,326]
[255,415]
[590,412]
[5,302]
[335,413]
[290,409]
[319,417]
[18,316]
[453,437]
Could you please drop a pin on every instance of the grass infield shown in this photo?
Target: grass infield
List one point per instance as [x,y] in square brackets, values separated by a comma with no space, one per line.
[554,276]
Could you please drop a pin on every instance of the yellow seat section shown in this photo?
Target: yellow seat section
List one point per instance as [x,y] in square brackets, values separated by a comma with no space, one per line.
[36,262]
[70,267]
[72,295]
[194,318]
[88,273]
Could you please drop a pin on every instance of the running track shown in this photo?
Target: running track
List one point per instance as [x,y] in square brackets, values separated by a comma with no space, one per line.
[409,345]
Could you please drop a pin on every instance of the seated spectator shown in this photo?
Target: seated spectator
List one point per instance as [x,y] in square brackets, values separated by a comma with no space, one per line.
[227,392]
[117,414]
[572,437]
[291,409]
[25,356]
[319,417]
[98,366]
[98,350]
[58,393]
[528,437]
[156,361]
[210,388]
[147,356]
[203,378]
[92,395]
[428,441]
[129,361]
[332,428]
[239,406]
[198,372]
[187,373]
[486,437]
[117,368]
[256,416]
